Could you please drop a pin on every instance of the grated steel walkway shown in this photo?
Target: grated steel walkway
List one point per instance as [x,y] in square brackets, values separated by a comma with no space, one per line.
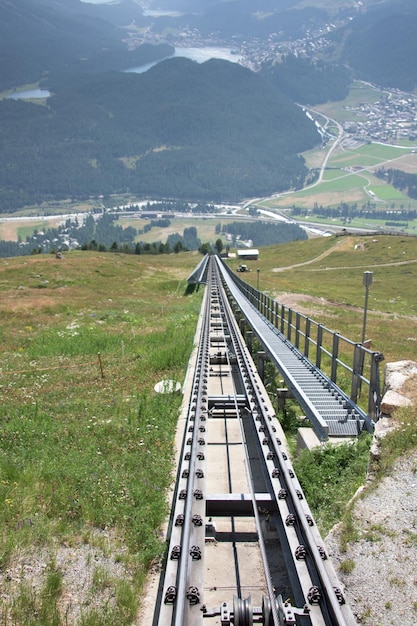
[331,412]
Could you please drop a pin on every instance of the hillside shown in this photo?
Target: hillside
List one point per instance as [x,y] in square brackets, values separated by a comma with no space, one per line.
[214,131]
[43,40]
[308,82]
[210,132]
[380,45]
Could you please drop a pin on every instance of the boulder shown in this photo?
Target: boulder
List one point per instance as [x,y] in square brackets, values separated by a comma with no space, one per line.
[397,375]
[393,400]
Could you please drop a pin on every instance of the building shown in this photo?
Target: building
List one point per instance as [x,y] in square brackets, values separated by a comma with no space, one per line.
[248,254]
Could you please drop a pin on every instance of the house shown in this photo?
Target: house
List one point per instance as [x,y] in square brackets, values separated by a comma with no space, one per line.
[248,254]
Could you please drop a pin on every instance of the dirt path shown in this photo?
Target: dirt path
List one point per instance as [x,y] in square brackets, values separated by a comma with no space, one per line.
[300,302]
[337,245]
[340,244]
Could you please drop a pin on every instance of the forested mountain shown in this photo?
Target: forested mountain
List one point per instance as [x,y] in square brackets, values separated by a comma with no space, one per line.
[241,19]
[211,132]
[45,40]
[214,131]
[308,82]
[381,45]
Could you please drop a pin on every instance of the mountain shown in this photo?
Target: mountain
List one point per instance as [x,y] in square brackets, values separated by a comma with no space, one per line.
[381,46]
[241,19]
[308,82]
[214,131]
[41,40]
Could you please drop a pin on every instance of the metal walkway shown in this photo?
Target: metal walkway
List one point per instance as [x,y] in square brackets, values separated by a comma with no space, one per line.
[331,412]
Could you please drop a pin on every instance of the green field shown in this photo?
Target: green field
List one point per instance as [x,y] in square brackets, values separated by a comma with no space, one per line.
[205,228]
[359,92]
[349,176]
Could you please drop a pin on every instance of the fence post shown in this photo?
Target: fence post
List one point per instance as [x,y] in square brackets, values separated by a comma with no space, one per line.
[358,357]
[374,398]
[251,292]
[307,338]
[335,356]
[268,308]
[289,324]
[297,330]
[283,319]
[319,345]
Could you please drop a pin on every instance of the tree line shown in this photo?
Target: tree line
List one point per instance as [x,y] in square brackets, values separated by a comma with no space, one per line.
[404,181]
[347,212]
[264,233]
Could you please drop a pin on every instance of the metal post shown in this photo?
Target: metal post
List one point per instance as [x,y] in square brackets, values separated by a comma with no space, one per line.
[257,278]
[374,399]
[335,356]
[358,359]
[367,282]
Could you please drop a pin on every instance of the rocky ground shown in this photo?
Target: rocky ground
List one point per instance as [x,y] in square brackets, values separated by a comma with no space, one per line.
[382,587]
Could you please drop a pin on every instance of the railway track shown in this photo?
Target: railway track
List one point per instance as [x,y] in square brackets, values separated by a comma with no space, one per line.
[243,546]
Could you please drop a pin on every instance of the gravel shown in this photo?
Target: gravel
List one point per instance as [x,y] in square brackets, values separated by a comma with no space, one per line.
[382,588]
[90,572]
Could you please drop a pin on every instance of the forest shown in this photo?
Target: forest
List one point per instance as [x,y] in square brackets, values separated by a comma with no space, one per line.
[380,44]
[213,131]
[264,233]
[306,81]
[404,181]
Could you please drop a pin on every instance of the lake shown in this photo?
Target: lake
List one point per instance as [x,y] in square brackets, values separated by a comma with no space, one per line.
[195,54]
[29,93]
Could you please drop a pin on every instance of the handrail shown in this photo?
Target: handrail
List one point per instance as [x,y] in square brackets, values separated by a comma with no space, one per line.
[340,358]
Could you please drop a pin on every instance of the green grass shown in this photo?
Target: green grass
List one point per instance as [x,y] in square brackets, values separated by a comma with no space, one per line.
[359,92]
[329,270]
[82,453]
[330,476]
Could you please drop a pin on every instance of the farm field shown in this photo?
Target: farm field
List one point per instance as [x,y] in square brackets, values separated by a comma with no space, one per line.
[349,176]
[205,228]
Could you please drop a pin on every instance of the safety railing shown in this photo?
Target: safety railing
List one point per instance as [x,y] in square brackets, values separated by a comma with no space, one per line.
[351,365]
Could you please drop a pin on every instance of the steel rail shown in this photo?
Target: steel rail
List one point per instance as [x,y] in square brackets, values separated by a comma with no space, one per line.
[239,349]
[172,595]
[179,602]
[310,539]
[184,566]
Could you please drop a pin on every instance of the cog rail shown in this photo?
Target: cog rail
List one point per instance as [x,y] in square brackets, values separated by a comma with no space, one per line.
[241,535]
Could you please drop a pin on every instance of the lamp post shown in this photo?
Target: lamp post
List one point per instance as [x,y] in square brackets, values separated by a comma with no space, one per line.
[367,282]
[257,278]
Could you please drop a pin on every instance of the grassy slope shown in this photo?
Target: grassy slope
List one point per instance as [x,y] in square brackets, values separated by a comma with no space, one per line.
[327,274]
[85,460]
